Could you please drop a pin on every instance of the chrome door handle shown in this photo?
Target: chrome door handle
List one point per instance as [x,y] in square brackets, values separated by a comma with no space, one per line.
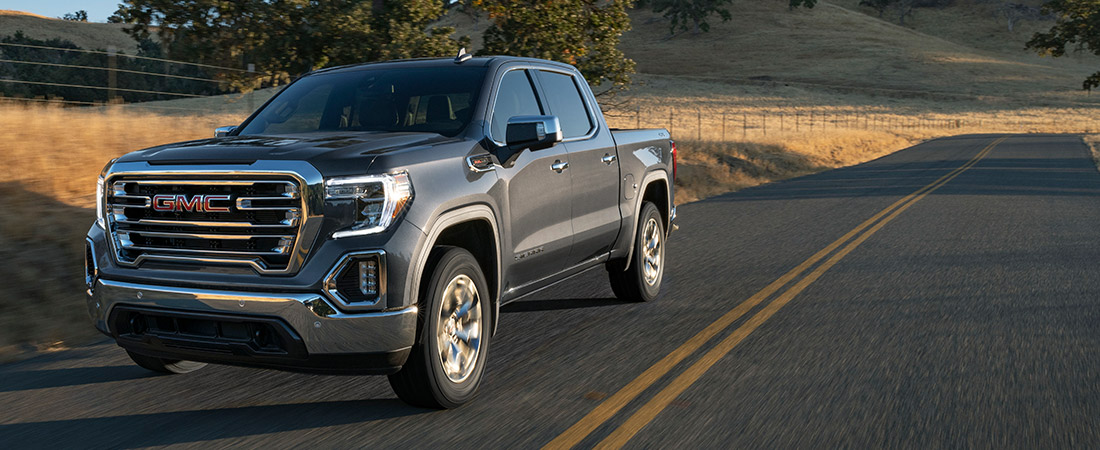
[559,166]
[608,159]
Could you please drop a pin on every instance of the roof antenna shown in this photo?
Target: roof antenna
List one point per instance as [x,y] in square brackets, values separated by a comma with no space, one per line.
[462,56]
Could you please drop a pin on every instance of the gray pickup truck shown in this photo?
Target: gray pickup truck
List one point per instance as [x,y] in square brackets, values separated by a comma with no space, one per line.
[372,219]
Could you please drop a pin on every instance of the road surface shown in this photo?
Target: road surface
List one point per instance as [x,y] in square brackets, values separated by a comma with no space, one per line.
[947,295]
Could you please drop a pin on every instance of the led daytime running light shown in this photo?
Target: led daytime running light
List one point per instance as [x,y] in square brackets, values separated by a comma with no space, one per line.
[396,194]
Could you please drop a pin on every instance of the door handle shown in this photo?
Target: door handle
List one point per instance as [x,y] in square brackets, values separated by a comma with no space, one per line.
[608,159]
[559,166]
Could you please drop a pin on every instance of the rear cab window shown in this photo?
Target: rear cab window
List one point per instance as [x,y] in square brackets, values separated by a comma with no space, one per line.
[565,101]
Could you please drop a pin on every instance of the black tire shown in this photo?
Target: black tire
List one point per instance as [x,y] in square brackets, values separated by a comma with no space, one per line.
[172,366]
[632,284]
[424,381]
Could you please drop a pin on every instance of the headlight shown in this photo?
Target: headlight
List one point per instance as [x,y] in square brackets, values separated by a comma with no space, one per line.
[377,200]
[100,201]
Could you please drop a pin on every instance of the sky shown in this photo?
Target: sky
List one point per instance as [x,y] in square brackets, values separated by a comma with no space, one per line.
[98,10]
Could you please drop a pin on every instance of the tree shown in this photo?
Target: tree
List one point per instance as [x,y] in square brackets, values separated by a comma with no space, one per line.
[1078,24]
[802,3]
[284,38]
[584,33]
[79,16]
[878,5]
[903,8]
[693,13]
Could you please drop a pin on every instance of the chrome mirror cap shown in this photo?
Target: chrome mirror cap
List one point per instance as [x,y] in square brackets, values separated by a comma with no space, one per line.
[223,131]
[534,132]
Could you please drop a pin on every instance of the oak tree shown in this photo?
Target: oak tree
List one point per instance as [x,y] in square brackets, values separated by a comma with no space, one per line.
[584,33]
[1077,27]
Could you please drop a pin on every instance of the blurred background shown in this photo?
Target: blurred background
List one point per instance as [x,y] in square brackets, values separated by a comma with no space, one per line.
[753,91]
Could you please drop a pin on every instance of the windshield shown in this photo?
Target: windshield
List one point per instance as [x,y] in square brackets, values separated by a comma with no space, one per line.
[433,99]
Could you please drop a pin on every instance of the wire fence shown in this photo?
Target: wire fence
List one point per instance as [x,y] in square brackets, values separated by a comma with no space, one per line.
[717,124]
[43,73]
[123,55]
[731,122]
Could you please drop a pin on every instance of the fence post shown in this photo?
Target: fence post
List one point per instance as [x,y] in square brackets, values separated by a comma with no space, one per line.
[744,126]
[699,124]
[797,118]
[811,121]
[251,92]
[638,117]
[112,72]
[764,122]
[670,121]
[723,126]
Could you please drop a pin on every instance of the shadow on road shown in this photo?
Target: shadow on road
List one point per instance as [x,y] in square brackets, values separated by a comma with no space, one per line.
[42,379]
[555,305]
[202,425]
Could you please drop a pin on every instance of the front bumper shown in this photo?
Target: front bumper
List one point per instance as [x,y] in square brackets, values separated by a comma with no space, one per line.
[330,341]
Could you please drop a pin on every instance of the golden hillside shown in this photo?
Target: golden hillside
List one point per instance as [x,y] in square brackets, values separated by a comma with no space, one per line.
[964,50]
[84,34]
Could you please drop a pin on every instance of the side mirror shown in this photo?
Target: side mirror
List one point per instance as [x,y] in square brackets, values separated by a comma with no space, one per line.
[534,132]
[223,131]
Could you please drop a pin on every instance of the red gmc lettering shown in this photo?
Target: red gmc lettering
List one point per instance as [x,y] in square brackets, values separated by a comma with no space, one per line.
[198,203]
[210,208]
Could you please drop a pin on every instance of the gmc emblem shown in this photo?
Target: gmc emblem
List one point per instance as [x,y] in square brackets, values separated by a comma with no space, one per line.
[198,203]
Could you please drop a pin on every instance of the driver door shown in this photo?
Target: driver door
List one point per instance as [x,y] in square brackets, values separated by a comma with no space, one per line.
[539,198]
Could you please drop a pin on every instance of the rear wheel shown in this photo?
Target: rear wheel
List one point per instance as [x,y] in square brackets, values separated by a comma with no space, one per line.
[445,367]
[641,281]
[165,365]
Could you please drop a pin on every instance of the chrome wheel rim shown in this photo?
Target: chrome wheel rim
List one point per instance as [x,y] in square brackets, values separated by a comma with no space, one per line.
[458,328]
[651,252]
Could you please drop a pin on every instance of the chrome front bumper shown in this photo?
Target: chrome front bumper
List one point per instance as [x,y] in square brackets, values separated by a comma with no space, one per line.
[322,329]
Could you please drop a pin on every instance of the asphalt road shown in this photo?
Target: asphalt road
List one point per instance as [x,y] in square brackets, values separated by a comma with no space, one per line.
[964,313]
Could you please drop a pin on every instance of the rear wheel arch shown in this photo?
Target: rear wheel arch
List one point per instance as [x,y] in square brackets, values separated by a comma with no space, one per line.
[655,189]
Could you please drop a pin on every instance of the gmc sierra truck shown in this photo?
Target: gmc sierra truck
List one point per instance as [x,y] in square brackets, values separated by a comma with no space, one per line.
[373,219]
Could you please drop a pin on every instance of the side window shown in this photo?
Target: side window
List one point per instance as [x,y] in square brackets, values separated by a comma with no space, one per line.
[515,97]
[566,103]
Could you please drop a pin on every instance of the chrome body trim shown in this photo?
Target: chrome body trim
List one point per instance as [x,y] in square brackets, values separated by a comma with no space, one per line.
[307,187]
[323,329]
[334,295]
[479,168]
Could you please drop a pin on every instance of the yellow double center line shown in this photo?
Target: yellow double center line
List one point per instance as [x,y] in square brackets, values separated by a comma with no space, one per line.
[606,410]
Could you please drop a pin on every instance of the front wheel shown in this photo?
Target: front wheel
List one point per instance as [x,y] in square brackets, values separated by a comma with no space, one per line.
[641,281]
[445,367]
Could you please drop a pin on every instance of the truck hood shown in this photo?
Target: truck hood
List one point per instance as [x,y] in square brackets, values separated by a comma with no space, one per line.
[323,150]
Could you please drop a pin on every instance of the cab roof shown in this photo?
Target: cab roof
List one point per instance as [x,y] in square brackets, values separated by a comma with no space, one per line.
[479,61]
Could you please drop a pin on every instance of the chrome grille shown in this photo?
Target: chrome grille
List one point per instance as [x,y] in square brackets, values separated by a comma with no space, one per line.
[232,221]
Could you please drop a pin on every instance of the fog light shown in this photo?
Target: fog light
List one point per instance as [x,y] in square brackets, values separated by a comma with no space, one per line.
[368,277]
[359,280]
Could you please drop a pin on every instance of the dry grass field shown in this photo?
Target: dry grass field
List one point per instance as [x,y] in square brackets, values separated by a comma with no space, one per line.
[769,95]
[52,158]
